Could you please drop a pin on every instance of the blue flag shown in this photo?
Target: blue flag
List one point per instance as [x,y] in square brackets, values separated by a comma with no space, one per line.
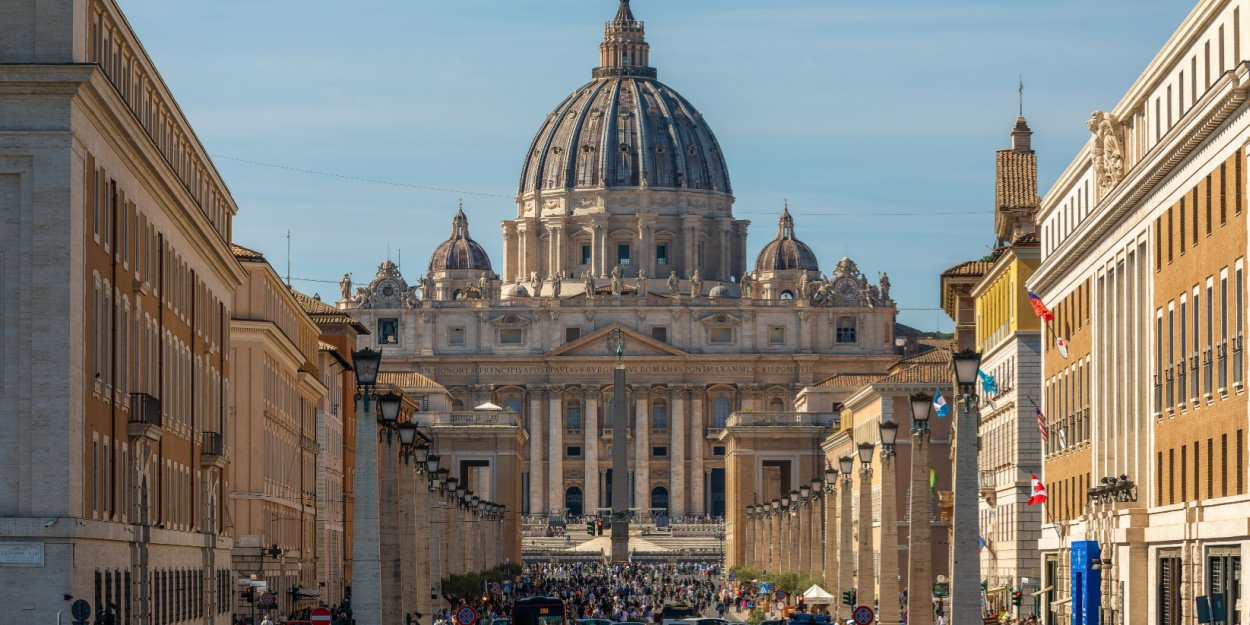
[988,383]
[939,405]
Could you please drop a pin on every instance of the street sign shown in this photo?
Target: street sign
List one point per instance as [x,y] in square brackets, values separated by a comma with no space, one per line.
[507,587]
[781,595]
[81,610]
[320,615]
[267,598]
[862,615]
[466,616]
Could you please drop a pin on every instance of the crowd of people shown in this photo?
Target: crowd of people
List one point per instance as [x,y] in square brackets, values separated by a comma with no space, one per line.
[619,592]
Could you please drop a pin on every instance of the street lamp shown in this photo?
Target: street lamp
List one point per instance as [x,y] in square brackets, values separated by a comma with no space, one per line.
[919,542]
[367,547]
[865,586]
[805,491]
[888,611]
[921,408]
[388,413]
[365,364]
[865,457]
[846,464]
[889,436]
[965,553]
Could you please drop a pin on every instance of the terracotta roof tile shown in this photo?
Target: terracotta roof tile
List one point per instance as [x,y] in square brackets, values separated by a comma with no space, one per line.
[938,375]
[849,380]
[970,268]
[409,380]
[243,253]
[313,305]
[1016,184]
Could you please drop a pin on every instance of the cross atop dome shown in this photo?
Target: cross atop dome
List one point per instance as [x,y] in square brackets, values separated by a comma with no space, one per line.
[624,51]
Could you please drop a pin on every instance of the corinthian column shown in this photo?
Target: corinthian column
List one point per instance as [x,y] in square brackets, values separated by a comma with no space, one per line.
[555,457]
[677,451]
[642,449]
[696,452]
[538,487]
[590,421]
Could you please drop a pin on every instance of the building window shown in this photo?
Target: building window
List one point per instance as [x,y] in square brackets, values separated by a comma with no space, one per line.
[718,450]
[659,452]
[721,335]
[572,334]
[776,336]
[1169,608]
[585,254]
[846,330]
[661,254]
[659,333]
[511,336]
[573,451]
[388,331]
[720,412]
[573,416]
[1224,580]
[659,416]
[455,336]
[622,254]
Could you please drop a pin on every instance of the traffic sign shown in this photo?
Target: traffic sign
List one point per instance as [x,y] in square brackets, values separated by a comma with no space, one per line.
[862,615]
[268,598]
[80,609]
[320,615]
[466,615]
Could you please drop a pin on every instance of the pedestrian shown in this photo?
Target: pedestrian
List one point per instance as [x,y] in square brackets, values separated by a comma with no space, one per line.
[266,621]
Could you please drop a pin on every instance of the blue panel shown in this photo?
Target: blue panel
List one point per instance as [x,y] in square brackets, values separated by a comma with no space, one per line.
[1086,583]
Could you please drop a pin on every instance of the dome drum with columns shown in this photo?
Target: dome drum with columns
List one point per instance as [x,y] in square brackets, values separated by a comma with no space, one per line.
[706,334]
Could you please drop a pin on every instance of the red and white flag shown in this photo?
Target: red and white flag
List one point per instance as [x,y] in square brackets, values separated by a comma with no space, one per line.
[1039,491]
[1062,345]
[1041,426]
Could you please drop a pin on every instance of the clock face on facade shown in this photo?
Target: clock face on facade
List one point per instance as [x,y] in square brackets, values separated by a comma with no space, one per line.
[846,288]
[388,290]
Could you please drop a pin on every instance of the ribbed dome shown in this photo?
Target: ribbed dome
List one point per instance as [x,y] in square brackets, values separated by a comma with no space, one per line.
[720,290]
[624,129]
[786,252]
[460,251]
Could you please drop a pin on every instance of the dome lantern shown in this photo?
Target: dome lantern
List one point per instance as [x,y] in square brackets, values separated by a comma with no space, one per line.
[786,252]
[624,51]
[460,251]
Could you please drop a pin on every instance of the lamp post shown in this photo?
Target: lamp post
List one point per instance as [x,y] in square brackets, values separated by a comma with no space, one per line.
[749,535]
[830,570]
[366,531]
[846,465]
[390,405]
[865,584]
[438,532]
[965,554]
[888,611]
[814,536]
[919,541]
[774,519]
[803,525]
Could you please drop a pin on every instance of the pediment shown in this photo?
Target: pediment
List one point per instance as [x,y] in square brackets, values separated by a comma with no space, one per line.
[596,344]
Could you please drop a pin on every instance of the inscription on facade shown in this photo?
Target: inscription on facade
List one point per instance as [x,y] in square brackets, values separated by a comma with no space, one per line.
[21,554]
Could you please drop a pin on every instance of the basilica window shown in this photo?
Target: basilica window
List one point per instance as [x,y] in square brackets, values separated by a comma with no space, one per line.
[511,336]
[659,452]
[659,415]
[846,330]
[573,416]
[720,412]
[455,336]
[572,334]
[661,254]
[622,254]
[585,254]
[777,336]
[721,335]
[659,333]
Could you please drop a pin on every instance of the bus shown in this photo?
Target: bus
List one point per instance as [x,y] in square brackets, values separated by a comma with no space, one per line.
[538,611]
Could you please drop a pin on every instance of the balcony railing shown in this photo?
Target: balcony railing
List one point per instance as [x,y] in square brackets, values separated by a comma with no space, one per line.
[1193,378]
[758,419]
[1180,383]
[1222,366]
[712,431]
[473,417]
[212,450]
[145,417]
[1238,363]
[1207,364]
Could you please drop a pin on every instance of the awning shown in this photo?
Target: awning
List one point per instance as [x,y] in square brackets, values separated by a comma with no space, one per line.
[1062,601]
[304,592]
[488,406]
[816,594]
[1044,591]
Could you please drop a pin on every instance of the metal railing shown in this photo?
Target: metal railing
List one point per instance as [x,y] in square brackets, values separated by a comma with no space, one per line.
[472,417]
[740,419]
[212,444]
[145,409]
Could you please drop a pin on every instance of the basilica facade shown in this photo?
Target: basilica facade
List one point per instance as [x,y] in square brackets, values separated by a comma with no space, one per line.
[624,221]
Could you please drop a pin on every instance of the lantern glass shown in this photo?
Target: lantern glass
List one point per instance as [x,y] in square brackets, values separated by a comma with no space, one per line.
[805,491]
[422,452]
[431,463]
[817,486]
[390,404]
[442,476]
[776,504]
[889,433]
[921,405]
[966,364]
[785,501]
[407,433]
[865,452]
[831,474]
[365,364]
[846,464]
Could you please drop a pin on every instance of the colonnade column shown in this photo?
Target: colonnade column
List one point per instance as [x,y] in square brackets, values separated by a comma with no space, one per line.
[422,502]
[814,507]
[391,564]
[590,421]
[408,589]
[865,582]
[761,538]
[642,449]
[845,539]
[830,570]
[696,451]
[538,500]
[888,613]
[802,527]
[677,451]
[555,455]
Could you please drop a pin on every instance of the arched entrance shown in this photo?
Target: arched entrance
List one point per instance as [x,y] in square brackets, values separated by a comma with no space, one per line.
[573,501]
[659,499]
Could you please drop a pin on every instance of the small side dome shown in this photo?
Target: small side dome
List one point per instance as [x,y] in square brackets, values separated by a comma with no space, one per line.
[720,290]
[460,251]
[515,291]
[786,252]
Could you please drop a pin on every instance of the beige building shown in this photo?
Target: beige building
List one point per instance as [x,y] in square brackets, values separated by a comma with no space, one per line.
[277,394]
[624,221]
[1143,254]
[116,283]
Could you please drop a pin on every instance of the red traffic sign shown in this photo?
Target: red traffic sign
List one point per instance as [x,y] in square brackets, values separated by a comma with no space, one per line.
[320,615]
[466,615]
[862,615]
[267,598]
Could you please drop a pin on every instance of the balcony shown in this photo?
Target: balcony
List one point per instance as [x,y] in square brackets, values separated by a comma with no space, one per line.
[606,434]
[213,451]
[471,418]
[712,432]
[985,487]
[765,419]
[145,417]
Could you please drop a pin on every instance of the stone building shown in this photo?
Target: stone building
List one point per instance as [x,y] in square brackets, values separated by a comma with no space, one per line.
[275,350]
[116,281]
[624,221]
[1142,260]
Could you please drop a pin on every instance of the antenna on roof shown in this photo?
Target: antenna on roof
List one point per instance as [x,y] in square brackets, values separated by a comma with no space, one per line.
[288,259]
[1021,95]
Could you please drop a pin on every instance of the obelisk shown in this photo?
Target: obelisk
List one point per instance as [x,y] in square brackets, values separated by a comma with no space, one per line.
[620,454]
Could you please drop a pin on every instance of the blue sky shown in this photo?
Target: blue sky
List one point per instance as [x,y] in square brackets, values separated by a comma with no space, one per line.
[854,111]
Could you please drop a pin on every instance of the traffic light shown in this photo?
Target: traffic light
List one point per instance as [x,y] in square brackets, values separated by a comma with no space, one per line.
[1016,597]
[590,528]
[249,595]
[599,524]
[848,597]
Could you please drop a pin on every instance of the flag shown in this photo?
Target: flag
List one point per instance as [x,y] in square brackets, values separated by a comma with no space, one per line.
[1039,491]
[988,383]
[1041,426]
[939,405]
[1063,439]
[932,478]
[1062,345]
[981,541]
[1040,308]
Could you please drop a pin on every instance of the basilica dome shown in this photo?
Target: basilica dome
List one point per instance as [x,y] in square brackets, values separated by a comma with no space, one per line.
[786,252]
[624,129]
[460,251]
